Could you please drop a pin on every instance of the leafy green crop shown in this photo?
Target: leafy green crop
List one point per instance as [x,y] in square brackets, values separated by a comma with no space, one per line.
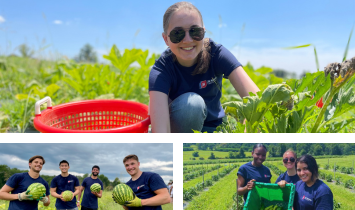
[291,107]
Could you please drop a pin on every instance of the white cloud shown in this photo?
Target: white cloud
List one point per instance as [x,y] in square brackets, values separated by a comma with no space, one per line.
[2,19]
[156,163]
[14,160]
[296,60]
[58,22]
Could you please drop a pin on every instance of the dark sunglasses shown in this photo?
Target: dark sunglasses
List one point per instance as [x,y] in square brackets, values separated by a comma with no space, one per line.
[291,160]
[178,34]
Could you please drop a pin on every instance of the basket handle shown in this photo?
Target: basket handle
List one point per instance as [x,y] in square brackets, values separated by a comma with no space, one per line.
[42,101]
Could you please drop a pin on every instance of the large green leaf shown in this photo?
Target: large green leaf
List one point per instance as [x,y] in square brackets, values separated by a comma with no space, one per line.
[253,108]
[346,104]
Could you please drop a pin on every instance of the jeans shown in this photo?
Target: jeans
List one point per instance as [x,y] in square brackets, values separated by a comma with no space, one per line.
[76,208]
[187,112]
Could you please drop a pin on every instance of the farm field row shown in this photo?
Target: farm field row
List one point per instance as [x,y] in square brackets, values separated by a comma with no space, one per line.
[193,182]
[218,196]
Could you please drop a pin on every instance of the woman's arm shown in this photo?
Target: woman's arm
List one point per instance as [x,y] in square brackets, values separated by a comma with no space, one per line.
[242,82]
[159,112]
[246,188]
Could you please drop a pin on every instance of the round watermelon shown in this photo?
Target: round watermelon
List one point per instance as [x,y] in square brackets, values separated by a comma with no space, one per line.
[67,195]
[36,190]
[95,187]
[122,193]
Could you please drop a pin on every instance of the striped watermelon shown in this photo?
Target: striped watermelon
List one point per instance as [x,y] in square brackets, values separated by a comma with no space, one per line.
[122,193]
[95,187]
[67,195]
[36,190]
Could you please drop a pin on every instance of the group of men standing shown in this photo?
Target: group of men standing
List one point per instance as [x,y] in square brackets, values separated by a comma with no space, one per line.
[149,188]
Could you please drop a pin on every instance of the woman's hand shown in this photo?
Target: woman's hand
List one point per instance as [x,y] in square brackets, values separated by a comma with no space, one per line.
[251,184]
[282,183]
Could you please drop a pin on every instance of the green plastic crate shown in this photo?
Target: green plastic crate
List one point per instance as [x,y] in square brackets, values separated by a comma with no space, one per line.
[266,194]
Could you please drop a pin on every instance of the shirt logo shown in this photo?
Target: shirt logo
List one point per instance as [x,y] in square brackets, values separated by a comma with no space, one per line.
[305,198]
[266,176]
[203,84]
[140,187]
[70,181]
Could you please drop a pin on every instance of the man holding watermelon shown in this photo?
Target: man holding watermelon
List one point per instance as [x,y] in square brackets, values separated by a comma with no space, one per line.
[89,201]
[64,182]
[149,188]
[20,197]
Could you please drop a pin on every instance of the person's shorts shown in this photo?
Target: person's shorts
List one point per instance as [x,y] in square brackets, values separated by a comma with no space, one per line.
[84,208]
[171,195]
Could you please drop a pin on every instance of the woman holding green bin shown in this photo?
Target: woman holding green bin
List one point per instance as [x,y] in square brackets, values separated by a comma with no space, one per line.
[311,193]
[253,171]
[290,176]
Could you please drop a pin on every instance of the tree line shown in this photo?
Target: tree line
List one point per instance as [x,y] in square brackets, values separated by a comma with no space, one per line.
[277,150]
[6,172]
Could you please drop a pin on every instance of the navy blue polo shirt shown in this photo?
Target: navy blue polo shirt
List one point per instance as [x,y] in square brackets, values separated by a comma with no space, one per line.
[287,178]
[20,182]
[317,197]
[62,184]
[249,172]
[144,188]
[89,199]
[171,78]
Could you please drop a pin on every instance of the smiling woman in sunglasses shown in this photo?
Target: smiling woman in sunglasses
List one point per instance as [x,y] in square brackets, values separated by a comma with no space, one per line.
[290,176]
[185,83]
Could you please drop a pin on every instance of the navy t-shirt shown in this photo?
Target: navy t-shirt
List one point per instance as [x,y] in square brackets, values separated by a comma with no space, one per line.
[249,172]
[89,199]
[317,197]
[173,79]
[287,178]
[20,182]
[145,186]
[62,184]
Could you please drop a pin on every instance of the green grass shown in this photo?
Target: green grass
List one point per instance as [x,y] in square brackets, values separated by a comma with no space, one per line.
[218,196]
[105,203]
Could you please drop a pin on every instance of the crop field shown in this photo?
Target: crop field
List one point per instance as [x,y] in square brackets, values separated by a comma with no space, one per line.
[221,193]
[282,105]
[105,203]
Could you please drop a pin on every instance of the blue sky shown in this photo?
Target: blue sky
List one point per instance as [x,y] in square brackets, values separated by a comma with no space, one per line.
[63,27]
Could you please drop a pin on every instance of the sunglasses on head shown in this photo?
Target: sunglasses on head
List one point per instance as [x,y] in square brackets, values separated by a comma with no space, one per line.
[178,34]
[285,160]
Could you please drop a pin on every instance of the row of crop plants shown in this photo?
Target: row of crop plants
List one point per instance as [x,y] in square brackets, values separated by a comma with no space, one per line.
[196,168]
[195,174]
[218,196]
[189,192]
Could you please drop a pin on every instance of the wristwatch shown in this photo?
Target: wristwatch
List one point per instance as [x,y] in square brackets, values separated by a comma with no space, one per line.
[78,201]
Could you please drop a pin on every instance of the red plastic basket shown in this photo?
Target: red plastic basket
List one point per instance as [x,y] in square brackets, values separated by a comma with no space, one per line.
[92,116]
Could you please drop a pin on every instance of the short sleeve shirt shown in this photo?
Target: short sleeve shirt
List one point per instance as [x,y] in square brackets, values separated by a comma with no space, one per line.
[89,199]
[62,184]
[249,172]
[20,182]
[287,178]
[169,77]
[317,197]
[144,188]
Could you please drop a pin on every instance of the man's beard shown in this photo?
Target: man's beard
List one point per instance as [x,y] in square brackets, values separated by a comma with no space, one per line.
[95,174]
